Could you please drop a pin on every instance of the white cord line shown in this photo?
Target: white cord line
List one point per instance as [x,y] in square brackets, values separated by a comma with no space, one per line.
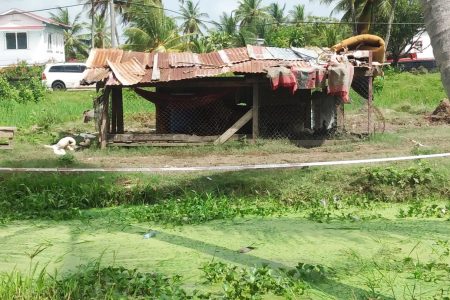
[223,168]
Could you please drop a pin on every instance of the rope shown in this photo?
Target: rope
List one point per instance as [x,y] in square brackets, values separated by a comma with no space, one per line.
[222,168]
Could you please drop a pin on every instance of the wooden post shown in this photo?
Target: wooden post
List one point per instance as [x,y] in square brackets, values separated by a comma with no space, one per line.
[255,112]
[117,110]
[305,96]
[370,94]
[120,123]
[340,116]
[113,128]
[104,124]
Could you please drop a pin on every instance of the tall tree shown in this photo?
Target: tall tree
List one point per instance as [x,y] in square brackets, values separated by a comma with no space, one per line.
[151,30]
[276,11]
[349,8]
[228,24]
[102,33]
[297,13]
[74,45]
[437,23]
[249,11]
[403,35]
[192,18]
[387,37]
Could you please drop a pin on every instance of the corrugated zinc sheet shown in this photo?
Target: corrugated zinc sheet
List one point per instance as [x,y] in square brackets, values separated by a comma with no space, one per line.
[142,57]
[258,52]
[175,74]
[183,59]
[236,55]
[98,57]
[254,66]
[283,53]
[131,68]
[163,60]
[212,59]
[94,75]
[128,73]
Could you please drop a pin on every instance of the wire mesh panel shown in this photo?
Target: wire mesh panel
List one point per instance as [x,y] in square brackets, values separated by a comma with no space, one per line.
[361,116]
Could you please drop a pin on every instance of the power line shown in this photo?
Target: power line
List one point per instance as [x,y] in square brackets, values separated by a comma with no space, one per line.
[45,9]
[216,23]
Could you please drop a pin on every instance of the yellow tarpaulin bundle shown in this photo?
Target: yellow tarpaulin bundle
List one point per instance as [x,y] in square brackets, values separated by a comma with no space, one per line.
[364,42]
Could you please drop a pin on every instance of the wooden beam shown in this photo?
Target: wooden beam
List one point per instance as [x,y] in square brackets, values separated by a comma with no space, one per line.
[370,97]
[113,110]
[255,112]
[104,118]
[233,129]
[120,122]
[148,137]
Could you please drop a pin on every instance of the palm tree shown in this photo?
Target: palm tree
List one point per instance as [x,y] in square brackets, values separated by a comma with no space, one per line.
[437,23]
[361,12]
[102,33]
[74,45]
[277,13]
[249,11]
[94,7]
[192,18]
[391,20]
[349,8]
[228,24]
[151,30]
[297,13]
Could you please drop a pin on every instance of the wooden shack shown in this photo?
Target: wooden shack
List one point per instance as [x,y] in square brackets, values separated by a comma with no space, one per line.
[210,98]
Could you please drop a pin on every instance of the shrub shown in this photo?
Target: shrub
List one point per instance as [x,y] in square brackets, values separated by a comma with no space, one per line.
[22,83]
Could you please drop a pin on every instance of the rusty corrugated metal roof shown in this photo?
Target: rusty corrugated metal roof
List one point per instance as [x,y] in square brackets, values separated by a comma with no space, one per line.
[259,52]
[98,57]
[130,68]
[212,59]
[236,55]
[142,57]
[183,59]
[128,73]
[283,53]
[163,60]
[93,75]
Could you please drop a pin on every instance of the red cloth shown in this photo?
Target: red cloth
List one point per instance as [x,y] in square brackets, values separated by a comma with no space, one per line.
[282,77]
[340,79]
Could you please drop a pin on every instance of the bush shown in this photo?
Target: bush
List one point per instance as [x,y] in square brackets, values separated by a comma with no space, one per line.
[21,83]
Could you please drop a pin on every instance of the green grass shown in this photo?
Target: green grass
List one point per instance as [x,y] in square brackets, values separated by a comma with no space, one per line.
[405,92]
[338,233]
[62,107]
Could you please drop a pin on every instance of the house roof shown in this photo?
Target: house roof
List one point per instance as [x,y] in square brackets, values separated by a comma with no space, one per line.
[15,11]
[132,68]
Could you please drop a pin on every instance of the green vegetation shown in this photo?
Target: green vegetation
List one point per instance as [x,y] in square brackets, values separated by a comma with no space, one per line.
[368,233]
[20,84]
[411,93]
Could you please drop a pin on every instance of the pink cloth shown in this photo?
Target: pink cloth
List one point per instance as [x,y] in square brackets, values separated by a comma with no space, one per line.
[282,77]
[340,79]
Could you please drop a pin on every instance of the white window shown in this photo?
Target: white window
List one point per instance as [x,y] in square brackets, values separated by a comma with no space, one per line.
[16,40]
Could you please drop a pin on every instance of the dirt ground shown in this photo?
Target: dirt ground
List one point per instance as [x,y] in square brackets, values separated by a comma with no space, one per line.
[404,134]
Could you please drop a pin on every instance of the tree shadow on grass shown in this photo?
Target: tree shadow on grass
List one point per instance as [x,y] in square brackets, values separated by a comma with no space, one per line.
[331,287]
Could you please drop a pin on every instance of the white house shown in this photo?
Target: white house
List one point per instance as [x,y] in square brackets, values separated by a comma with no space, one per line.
[28,37]
[422,47]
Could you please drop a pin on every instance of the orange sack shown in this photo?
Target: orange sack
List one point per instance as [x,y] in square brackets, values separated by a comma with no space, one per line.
[364,42]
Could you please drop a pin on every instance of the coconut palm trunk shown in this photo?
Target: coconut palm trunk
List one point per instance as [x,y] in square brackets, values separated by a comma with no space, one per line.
[353,16]
[391,20]
[92,29]
[437,23]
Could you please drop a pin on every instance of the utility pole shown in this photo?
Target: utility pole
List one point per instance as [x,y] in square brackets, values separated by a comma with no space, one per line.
[112,13]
